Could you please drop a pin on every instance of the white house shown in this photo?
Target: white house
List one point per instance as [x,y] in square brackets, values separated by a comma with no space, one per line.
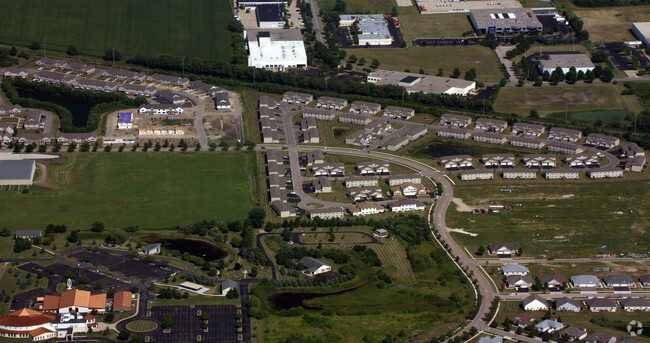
[227,286]
[151,249]
[549,325]
[313,266]
[514,269]
[535,303]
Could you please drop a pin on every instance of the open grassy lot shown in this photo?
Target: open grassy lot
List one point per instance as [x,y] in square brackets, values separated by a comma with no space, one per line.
[8,283]
[481,58]
[560,219]
[183,28]
[360,6]
[535,4]
[415,25]
[619,116]
[154,189]
[575,98]
[642,90]
[612,23]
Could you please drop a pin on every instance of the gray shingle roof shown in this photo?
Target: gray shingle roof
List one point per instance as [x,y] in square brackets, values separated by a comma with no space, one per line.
[16,169]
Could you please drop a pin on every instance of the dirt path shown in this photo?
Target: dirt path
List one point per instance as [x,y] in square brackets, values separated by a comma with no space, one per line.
[42,177]
[461,206]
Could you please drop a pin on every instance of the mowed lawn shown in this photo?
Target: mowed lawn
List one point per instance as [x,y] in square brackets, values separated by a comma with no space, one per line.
[415,25]
[152,190]
[562,219]
[194,28]
[360,6]
[573,98]
[612,23]
[481,58]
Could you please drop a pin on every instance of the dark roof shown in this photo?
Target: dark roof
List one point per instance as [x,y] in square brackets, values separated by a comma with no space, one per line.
[264,34]
[271,12]
[16,169]
[644,278]
[28,233]
[228,284]
[609,279]
[599,337]
[601,302]
[573,332]
[565,300]
[311,264]
[497,246]
[409,79]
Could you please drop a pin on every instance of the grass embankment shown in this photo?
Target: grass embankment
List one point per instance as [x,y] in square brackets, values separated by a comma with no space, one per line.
[136,27]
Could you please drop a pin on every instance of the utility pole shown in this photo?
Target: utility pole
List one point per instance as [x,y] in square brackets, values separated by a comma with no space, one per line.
[113,56]
[566,114]
[44,53]
[183,59]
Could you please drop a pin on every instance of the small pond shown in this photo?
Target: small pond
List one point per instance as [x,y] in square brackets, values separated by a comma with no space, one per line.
[80,109]
[287,300]
[208,251]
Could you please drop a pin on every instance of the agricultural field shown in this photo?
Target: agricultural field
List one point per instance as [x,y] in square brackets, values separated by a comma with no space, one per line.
[429,59]
[415,25]
[556,219]
[152,190]
[573,98]
[612,23]
[195,28]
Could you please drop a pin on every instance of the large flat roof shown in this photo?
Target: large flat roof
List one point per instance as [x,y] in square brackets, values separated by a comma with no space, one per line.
[567,61]
[643,28]
[427,84]
[505,17]
[16,169]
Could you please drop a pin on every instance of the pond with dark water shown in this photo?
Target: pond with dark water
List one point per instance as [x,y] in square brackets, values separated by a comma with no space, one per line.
[197,247]
[80,109]
[287,300]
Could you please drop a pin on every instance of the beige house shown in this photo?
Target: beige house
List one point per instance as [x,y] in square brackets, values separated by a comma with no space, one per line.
[408,190]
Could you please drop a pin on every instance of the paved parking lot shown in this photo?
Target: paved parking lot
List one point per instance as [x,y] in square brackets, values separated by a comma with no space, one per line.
[131,267]
[61,269]
[187,324]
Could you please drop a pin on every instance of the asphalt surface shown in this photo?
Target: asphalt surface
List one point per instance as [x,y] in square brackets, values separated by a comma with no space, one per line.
[318,22]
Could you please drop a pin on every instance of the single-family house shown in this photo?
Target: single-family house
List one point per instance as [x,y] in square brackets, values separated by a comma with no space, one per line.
[27,234]
[313,266]
[579,281]
[535,303]
[635,304]
[222,101]
[549,325]
[503,249]
[600,337]
[567,305]
[227,286]
[553,283]
[513,269]
[572,333]
[521,283]
[408,190]
[152,249]
[618,281]
[601,304]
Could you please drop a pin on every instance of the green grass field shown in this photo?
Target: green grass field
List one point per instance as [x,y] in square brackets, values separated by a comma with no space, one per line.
[574,98]
[194,28]
[612,23]
[561,219]
[535,4]
[593,116]
[141,326]
[156,190]
[481,58]
[415,25]
[360,6]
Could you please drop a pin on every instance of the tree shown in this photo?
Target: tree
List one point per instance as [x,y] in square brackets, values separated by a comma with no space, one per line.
[352,58]
[375,63]
[362,61]
[35,46]
[521,82]
[572,75]
[168,321]
[5,232]
[97,227]
[157,147]
[608,75]
[21,245]
[534,113]
[559,72]
[109,317]
[198,146]
[72,147]
[456,73]
[112,55]
[555,78]
[13,51]
[256,217]
[589,76]
[232,294]
[72,50]
[598,71]
[538,82]
[108,148]
[394,12]
[124,335]
[74,236]
[480,251]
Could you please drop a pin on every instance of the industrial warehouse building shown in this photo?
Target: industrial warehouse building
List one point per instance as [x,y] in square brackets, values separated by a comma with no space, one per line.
[581,62]
[427,84]
[373,28]
[508,20]
[17,172]
[270,16]
[276,49]
[642,32]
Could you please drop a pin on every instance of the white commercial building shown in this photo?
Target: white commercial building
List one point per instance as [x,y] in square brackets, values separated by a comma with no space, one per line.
[276,49]
[581,62]
[373,28]
[428,84]
[642,32]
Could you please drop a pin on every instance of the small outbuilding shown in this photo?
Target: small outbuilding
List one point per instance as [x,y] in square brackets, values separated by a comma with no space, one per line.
[152,249]
[227,286]
[381,233]
[28,234]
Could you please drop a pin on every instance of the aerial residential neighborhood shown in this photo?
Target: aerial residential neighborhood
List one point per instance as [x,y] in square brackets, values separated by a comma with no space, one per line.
[325,171]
